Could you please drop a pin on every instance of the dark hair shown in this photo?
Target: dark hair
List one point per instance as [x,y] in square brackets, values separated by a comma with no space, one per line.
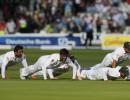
[64,51]
[127,45]
[18,47]
[125,71]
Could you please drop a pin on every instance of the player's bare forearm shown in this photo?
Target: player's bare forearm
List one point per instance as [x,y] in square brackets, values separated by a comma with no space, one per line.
[80,78]
[54,78]
[114,63]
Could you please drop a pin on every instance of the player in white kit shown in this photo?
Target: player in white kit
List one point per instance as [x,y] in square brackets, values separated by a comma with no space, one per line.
[16,55]
[116,57]
[52,72]
[105,73]
[50,62]
[60,70]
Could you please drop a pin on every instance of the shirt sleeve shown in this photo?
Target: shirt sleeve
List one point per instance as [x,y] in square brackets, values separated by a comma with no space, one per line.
[44,72]
[74,69]
[117,54]
[104,74]
[114,72]
[3,67]
[24,62]
[48,64]
[105,78]
[78,67]
[50,73]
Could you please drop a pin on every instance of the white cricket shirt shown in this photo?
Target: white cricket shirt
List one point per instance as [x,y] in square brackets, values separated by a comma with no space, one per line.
[53,61]
[10,57]
[119,55]
[101,73]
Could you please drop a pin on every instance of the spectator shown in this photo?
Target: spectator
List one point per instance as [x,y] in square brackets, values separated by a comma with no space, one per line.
[47,12]
[2,28]
[88,28]
[22,24]
[99,25]
[10,26]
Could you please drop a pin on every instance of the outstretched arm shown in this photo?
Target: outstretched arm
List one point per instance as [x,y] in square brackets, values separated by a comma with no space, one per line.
[3,68]
[24,62]
[44,71]
[114,63]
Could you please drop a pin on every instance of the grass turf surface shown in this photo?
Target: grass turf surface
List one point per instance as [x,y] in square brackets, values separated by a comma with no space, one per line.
[64,88]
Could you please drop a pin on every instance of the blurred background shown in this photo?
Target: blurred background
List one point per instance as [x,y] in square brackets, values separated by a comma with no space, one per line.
[54,24]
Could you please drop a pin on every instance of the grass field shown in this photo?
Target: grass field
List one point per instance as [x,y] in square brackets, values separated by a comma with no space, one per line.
[65,88]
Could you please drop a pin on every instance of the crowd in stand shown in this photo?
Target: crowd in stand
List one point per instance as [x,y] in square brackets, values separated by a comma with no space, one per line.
[65,16]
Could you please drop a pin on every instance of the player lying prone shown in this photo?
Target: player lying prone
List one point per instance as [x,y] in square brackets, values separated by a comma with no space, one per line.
[106,73]
[90,73]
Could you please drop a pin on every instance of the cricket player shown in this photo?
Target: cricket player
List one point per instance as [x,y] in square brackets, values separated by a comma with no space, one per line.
[52,72]
[105,73]
[60,70]
[16,55]
[50,62]
[116,57]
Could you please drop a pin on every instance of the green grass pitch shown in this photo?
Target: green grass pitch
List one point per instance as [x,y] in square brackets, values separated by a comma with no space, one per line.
[65,88]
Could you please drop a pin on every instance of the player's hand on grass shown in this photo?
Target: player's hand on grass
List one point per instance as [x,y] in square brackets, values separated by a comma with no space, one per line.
[108,80]
[55,78]
[5,78]
[80,78]
[74,79]
[34,77]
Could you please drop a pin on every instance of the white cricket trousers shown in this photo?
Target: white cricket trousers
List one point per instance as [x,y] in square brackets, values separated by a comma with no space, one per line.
[40,63]
[106,62]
